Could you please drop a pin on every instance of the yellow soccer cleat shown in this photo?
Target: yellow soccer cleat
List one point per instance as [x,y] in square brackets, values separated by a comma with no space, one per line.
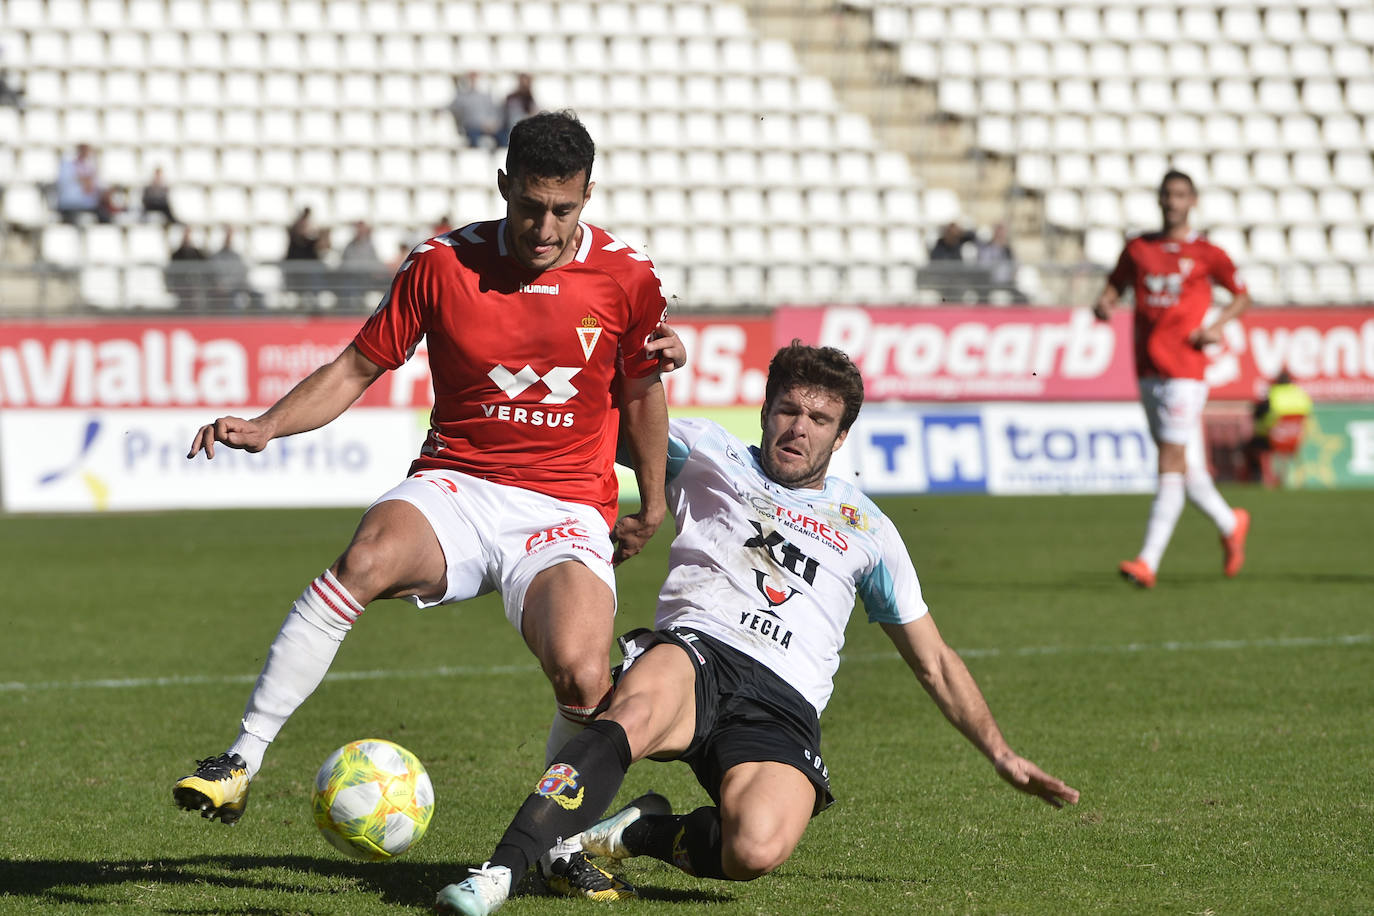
[218,788]
[577,876]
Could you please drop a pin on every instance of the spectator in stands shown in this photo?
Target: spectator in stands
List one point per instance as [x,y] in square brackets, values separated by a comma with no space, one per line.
[188,275]
[442,225]
[157,197]
[1279,420]
[229,273]
[360,269]
[398,258]
[519,105]
[303,238]
[10,93]
[302,269]
[950,245]
[995,254]
[79,189]
[474,111]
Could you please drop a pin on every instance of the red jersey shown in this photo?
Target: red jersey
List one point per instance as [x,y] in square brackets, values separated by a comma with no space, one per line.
[524,367]
[1172,281]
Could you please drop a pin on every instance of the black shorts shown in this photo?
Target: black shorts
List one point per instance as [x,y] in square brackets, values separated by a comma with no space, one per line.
[745,713]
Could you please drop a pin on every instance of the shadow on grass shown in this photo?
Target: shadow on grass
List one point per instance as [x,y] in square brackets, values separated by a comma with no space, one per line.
[74,881]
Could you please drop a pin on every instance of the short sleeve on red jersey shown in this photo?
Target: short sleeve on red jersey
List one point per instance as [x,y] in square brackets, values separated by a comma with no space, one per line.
[1122,276]
[648,309]
[390,336]
[1223,271]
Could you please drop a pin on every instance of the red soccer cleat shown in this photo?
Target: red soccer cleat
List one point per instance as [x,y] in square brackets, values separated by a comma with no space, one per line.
[1138,571]
[1234,543]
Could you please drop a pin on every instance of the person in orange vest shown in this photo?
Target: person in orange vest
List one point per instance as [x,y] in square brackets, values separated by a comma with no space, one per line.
[1279,419]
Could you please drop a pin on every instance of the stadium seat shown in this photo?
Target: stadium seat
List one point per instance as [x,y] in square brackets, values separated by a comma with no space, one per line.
[24,205]
[1267,243]
[62,245]
[1353,169]
[1063,208]
[1308,243]
[1350,242]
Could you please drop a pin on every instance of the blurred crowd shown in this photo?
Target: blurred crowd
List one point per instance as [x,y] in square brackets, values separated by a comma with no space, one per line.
[318,268]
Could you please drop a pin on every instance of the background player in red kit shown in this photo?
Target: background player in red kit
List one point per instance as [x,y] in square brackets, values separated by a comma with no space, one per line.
[1171,273]
[540,331]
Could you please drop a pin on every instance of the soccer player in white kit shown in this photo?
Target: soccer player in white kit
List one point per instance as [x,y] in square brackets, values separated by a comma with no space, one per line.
[768,558]
[1171,273]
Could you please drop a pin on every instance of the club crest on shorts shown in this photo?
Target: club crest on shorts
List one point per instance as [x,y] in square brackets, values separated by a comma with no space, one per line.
[560,778]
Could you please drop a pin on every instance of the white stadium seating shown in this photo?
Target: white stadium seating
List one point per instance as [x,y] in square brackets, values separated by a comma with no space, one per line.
[743,174]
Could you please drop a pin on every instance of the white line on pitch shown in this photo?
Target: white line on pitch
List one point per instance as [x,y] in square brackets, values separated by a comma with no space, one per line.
[1282,642]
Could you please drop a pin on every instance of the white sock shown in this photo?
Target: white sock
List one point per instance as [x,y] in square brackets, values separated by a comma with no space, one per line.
[561,731]
[1164,513]
[568,721]
[297,662]
[1203,494]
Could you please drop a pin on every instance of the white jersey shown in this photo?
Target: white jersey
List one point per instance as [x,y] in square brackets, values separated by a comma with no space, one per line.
[773,571]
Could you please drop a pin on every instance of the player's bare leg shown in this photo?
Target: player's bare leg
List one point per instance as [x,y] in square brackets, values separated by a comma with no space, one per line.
[764,809]
[569,622]
[394,553]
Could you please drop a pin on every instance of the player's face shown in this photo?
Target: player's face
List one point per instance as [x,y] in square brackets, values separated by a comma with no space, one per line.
[541,217]
[801,430]
[1176,198]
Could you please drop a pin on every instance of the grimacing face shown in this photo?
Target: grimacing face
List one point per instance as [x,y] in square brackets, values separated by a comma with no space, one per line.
[541,218]
[801,430]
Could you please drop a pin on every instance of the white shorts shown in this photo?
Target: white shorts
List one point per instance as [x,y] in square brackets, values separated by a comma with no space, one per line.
[1173,408]
[498,537]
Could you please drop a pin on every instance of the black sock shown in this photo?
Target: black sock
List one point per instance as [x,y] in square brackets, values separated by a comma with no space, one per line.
[574,791]
[690,842]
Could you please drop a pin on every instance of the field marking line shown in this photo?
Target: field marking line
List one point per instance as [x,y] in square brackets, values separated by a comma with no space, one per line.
[1211,645]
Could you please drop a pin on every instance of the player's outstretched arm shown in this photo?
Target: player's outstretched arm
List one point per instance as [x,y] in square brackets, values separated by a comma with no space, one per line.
[317,400]
[644,439]
[945,677]
[671,352]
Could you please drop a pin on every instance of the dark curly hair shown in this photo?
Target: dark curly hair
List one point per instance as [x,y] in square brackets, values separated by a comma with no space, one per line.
[551,144]
[816,367]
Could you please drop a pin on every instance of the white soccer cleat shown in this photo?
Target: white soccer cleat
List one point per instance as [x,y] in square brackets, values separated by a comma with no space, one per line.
[483,892]
[604,837]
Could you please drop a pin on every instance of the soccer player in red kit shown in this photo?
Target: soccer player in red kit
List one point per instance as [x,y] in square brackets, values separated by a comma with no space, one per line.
[1171,273]
[541,332]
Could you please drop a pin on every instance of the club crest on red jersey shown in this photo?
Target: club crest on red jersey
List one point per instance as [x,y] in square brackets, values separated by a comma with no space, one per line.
[588,333]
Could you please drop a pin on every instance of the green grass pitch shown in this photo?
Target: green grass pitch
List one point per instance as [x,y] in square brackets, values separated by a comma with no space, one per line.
[1221,731]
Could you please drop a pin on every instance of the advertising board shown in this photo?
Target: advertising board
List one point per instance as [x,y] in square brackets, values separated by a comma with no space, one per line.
[1337,450]
[107,459]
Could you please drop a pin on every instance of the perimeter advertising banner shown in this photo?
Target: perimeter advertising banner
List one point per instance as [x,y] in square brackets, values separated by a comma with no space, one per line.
[97,460]
[984,353]
[84,404]
[1337,450]
[974,354]
[1000,448]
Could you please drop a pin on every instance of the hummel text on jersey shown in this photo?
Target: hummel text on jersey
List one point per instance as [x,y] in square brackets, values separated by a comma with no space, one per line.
[543,288]
[523,415]
[766,626]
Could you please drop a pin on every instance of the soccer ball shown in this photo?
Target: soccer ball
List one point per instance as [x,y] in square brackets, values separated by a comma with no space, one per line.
[372,799]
